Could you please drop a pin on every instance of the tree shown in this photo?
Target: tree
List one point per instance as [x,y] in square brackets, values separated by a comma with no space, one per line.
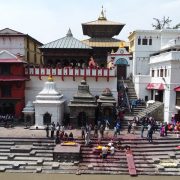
[162,24]
[177,26]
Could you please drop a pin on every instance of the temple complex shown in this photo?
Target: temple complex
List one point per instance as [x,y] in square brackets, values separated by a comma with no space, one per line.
[83,106]
[101,32]
[49,105]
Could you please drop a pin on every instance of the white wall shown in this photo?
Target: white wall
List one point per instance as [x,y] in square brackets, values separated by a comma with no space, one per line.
[140,84]
[14,45]
[69,88]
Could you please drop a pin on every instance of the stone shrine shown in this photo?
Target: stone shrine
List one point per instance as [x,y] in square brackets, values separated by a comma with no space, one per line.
[49,105]
[106,105]
[83,106]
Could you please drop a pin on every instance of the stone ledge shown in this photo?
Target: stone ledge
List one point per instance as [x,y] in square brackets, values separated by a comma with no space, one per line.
[40,161]
[15,165]
[172,155]
[156,160]
[2,169]
[38,170]
[11,156]
[90,167]
[55,165]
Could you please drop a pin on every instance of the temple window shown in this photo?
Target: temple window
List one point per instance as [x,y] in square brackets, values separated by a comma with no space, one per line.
[177,98]
[165,73]
[152,73]
[158,73]
[5,69]
[144,41]
[150,41]
[139,41]
[6,91]
[161,72]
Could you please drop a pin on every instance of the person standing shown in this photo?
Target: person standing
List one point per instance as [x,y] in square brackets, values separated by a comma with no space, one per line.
[47,130]
[150,138]
[134,127]
[87,138]
[101,130]
[52,129]
[129,126]
[142,130]
[95,131]
[83,132]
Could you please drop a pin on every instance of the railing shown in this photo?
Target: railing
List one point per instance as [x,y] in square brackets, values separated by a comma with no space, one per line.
[122,89]
[72,72]
[126,96]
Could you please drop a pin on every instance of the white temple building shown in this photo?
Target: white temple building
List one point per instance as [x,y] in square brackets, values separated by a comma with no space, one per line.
[49,105]
[156,67]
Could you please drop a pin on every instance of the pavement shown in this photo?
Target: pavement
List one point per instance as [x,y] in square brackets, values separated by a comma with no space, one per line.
[23,132]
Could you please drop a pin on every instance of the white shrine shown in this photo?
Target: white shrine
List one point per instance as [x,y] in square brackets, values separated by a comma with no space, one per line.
[49,105]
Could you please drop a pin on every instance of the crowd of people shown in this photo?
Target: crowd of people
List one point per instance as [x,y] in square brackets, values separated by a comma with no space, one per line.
[7,120]
[57,132]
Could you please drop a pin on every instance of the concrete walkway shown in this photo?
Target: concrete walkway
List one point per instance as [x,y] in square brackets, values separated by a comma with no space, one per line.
[22,132]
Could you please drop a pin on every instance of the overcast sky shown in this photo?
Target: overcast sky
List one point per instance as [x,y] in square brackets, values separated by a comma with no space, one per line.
[48,20]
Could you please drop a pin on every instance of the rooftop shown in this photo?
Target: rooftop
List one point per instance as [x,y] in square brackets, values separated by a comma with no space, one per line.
[67,42]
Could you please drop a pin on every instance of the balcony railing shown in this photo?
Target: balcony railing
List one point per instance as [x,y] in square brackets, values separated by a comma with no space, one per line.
[71,72]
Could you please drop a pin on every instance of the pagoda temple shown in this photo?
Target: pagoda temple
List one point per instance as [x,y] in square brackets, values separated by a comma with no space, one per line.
[83,106]
[66,52]
[101,32]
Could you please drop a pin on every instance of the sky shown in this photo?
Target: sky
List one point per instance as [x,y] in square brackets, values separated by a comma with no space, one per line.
[48,20]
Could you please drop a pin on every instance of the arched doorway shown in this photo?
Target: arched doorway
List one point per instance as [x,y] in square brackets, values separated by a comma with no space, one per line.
[121,68]
[82,119]
[46,118]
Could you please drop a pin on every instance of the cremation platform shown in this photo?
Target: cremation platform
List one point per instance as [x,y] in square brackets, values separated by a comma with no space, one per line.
[67,153]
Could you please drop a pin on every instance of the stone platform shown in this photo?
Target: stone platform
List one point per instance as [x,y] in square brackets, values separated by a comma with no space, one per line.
[67,153]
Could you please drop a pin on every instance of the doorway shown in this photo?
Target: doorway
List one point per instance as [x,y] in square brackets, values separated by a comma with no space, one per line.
[47,118]
[121,72]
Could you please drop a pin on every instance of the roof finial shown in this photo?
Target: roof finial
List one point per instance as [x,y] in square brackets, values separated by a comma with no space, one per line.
[102,16]
[50,78]
[69,33]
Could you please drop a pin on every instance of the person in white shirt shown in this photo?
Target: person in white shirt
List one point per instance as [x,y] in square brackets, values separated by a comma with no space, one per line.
[104,152]
[112,150]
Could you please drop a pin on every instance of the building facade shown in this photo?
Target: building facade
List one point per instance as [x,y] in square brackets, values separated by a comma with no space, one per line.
[21,44]
[12,84]
[156,67]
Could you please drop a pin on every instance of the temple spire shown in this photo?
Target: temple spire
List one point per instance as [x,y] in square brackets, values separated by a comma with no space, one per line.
[102,15]
[69,33]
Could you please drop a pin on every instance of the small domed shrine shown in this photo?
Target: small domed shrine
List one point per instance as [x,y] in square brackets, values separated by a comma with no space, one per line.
[83,106]
[49,105]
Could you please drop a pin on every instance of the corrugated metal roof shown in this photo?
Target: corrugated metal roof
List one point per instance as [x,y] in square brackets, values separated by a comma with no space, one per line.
[67,42]
[102,42]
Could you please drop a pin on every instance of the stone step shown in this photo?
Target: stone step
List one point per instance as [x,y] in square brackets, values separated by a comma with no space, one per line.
[32,158]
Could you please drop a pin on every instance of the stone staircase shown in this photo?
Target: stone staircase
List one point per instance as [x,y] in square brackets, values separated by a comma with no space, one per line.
[31,155]
[132,96]
[150,109]
[162,157]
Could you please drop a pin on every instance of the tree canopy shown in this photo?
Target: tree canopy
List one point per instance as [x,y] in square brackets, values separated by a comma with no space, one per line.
[164,23]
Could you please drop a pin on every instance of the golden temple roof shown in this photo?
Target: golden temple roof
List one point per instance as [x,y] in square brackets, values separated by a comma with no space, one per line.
[103,42]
